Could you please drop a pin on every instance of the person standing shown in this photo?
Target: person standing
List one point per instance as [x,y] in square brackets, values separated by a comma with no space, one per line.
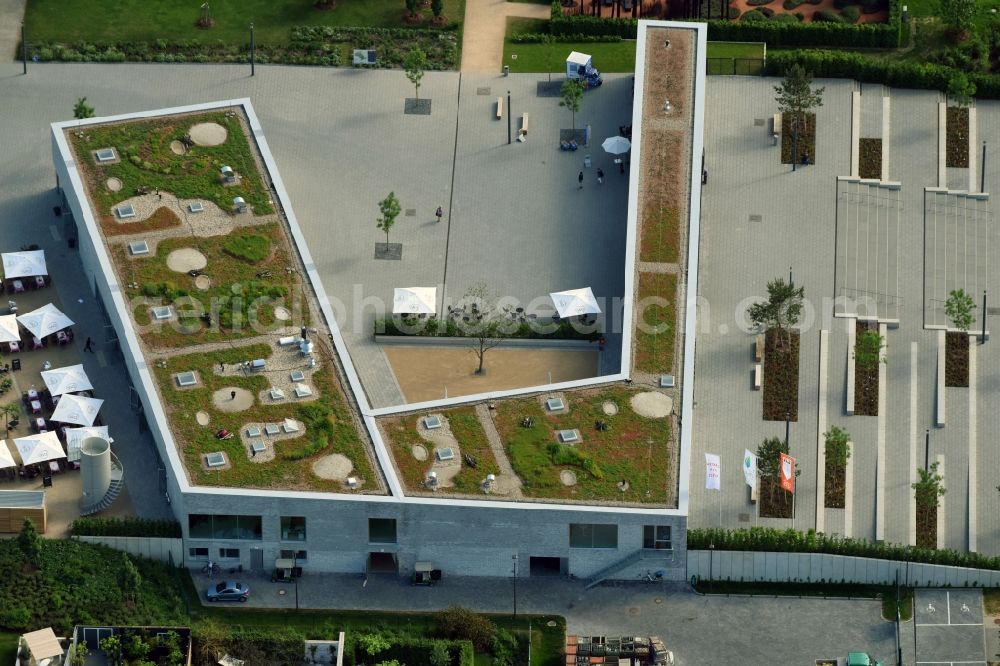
[232,395]
[88,345]
[439,213]
[579,179]
[600,176]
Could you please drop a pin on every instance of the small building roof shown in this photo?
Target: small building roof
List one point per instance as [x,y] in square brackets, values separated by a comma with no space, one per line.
[43,644]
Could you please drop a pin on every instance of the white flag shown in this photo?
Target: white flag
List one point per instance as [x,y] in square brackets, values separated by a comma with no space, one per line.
[713,472]
[750,468]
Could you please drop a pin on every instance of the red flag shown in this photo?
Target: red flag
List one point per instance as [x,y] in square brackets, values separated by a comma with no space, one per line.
[787,472]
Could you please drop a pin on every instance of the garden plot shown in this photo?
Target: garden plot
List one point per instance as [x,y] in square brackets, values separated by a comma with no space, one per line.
[956,250]
[869,215]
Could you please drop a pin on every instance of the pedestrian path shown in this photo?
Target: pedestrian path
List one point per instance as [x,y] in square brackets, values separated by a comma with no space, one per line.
[11,15]
[484,29]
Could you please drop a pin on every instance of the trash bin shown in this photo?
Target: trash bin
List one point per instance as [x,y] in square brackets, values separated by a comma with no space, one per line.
[506,70]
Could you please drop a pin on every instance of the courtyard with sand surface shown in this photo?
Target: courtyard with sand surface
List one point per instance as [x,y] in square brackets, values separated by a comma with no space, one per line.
[425,373]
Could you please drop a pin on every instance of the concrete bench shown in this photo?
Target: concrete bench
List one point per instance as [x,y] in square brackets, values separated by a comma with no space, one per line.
[775,129]
[758,376]
[524,124]
[499,108]
[758,348]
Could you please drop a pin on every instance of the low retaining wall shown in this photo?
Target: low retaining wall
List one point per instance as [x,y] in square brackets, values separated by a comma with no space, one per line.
[450,341]
[152,548]
[762,567]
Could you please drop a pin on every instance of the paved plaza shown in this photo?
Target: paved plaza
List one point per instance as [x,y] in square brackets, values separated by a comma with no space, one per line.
[759,219]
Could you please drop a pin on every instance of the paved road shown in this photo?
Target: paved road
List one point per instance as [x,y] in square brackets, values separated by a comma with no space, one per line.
[699,629]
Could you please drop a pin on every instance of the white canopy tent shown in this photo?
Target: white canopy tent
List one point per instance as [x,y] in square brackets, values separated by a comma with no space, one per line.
[46,320]
[414,300]
[75,437]
[77,409]
[24,264]
[9,332]
[6,459]
[70,379]
[39,448]
[575,302]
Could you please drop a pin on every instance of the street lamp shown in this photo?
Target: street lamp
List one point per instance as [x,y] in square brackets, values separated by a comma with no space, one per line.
[514,557]
[252,51]
[927,448]
[508,117]
[711,565]
[788,417]
[982,339]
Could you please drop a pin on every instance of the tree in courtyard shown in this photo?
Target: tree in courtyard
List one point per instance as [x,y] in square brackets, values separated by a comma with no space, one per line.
[11,411]
[547,42]
[796,98]
[415,63]
[437,8]
[836,446]
[781,310]
[959,307]
[112,647]
[83,110]
[411,8]
[439,655]
[572,95]
[868,350]
[78,656]
[769,461]
[961,90]
[481,322]
[959,16]
[389,207]
[30,543]
[928,489]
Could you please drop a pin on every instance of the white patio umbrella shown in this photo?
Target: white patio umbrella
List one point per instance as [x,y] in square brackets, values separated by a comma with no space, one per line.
[616,145]
[70,379]
[24,264]
[9,331]
[75,437]
[46,320]
[575,302]
[77,409]
[414,300]
[39,448]
[6,459]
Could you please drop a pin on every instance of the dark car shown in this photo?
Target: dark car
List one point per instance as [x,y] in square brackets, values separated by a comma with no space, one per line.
[228,590]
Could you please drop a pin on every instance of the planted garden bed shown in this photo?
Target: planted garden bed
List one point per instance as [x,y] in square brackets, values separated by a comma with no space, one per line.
[956,359]
[926,525]
[773,500]
[957,137]
[870,162]
[806,139]
[781,375]
[835,476]
[865,379]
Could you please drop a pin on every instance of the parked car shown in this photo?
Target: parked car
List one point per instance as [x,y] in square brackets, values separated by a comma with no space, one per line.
[228,590]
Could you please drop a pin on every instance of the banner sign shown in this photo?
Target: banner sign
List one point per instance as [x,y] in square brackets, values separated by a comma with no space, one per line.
[750,468]
[713,472]
[787,473]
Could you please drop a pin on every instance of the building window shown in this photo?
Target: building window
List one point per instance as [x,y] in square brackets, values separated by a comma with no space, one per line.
[382,530]
[584,535]
[293,528]
[203,526]
[198,553]
[229,553]
[656,537]
[297,555]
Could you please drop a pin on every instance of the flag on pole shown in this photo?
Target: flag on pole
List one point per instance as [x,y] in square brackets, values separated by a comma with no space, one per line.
[750,468]
[713,472]
[788,473]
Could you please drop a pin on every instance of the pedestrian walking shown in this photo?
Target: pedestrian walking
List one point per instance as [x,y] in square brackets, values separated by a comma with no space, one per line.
[232,395]
[600,176]
[579,179]
[439,213]
[805,159]
[88,345]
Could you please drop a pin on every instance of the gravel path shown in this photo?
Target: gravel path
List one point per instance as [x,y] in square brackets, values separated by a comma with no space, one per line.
[507,476]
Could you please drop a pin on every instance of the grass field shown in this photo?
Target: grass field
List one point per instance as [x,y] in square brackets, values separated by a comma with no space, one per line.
[135,20]
[655,339]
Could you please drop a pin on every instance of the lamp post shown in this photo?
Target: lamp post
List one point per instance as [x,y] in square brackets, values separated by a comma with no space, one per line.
[711,565]
[795,143]
[790,276]
[24,50]
[982,171]
[252,52]
[508,117]
[788,418]
[927,448]
[982,338]
[514,557]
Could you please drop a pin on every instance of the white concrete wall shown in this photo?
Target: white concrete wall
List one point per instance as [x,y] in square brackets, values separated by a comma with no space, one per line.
[753,566]
[151,548]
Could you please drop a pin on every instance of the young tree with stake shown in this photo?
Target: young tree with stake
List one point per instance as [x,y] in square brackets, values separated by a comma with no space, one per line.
[572,95]
[415,64]
[959,307]
[389,207]
[781,310]
[796,98]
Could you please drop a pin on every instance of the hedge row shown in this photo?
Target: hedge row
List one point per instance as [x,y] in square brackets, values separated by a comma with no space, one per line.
[841,64]
[767,539]
[408,650]
[537,37]
[130,527]
[308,45]
[777,34]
